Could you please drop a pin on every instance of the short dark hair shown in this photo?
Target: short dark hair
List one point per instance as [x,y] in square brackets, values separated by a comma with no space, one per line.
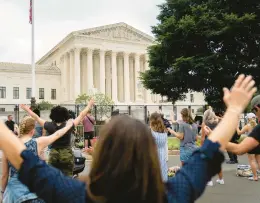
[59,114]
[72,114]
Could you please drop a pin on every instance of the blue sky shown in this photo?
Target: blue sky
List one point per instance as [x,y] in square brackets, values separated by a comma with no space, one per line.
[54,19]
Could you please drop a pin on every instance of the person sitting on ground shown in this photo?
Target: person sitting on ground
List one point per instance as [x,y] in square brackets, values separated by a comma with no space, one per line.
[61,154]
[125,165]
[14,191]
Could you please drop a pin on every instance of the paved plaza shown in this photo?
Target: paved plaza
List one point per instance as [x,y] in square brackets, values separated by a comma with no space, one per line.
[236,189]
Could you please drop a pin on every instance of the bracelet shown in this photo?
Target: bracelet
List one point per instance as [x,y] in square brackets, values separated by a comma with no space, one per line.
[2,191]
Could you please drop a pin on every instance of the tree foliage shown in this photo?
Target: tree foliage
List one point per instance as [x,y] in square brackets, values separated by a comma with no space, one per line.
[202,45]
[103,104]
[44,105]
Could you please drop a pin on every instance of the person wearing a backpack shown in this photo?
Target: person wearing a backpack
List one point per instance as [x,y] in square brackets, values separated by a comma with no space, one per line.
[88,123]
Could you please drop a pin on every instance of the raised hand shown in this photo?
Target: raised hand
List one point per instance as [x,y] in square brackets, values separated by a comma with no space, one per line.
[24,107]
[240,94]
[91,102]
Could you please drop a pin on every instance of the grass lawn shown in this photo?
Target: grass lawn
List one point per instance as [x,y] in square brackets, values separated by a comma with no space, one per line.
[174,143]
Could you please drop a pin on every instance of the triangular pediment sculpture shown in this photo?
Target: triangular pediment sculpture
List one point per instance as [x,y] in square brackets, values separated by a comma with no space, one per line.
[119,31]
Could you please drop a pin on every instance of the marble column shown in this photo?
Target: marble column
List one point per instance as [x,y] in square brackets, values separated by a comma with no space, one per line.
[63,77]
[148,93]
[90,70]
[102,72]
[67,76]
[84,73]
[71,82]
[126,78]
[138,93]
[114,77]
[77,72]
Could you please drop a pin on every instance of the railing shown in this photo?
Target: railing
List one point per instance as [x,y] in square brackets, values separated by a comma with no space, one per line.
[101,113]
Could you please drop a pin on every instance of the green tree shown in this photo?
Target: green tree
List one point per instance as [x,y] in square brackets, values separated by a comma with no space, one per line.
[44,105]
[202,45]
[103,104]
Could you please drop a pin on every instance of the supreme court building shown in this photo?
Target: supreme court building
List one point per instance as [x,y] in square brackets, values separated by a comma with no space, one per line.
[106,59]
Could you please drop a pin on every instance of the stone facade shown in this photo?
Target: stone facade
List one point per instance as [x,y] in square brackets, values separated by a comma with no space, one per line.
[107,59]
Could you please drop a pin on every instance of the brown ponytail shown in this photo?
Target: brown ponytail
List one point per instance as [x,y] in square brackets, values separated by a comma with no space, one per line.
[186,116]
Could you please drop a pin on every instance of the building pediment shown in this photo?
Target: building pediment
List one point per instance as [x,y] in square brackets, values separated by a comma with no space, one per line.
[119,31]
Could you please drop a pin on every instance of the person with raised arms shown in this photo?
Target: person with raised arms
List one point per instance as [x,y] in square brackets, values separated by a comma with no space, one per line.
[125,165]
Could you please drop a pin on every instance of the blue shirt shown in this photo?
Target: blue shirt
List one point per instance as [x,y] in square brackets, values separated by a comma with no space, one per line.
[187,186]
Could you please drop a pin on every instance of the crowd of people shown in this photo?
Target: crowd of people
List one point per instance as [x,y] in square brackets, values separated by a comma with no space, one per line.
[129,160]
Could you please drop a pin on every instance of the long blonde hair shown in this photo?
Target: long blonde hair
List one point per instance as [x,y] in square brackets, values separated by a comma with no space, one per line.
[27,124]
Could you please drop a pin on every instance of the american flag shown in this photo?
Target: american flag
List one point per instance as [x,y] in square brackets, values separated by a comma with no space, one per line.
[30,15]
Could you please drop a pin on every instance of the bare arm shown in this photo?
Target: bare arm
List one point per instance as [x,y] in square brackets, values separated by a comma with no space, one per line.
[47,140]
[32,114]
[243,130]
[203,134]
[83,113]
[43,132]
[236,100]
[5,172]
[178,135]
[11,146]
[245,146]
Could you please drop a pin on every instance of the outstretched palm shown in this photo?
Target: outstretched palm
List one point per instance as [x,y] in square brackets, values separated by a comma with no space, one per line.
[24,107]
[240,94]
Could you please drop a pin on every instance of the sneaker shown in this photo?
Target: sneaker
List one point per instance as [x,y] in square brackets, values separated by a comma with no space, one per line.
[210,183]
[221,182]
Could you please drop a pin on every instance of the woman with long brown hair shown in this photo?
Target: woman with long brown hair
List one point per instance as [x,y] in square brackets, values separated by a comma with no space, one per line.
[188,132]
[160,135]
[125,165]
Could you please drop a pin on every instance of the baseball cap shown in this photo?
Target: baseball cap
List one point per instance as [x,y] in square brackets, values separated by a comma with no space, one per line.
[255,101]
[250,115]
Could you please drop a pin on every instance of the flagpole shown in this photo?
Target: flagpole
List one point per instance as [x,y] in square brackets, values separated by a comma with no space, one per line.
[33,101]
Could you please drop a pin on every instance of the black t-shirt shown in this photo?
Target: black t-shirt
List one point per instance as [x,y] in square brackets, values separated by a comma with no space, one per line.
[10,125]
[255,133]
[65,140]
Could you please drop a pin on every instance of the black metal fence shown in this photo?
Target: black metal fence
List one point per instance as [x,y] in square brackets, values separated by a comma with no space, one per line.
[101,113]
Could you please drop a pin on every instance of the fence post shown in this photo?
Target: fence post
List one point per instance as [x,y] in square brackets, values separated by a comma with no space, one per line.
[160,108]
[16,113]
[145,114]
[77,110]
[95,107]
[112,109]
[129,110]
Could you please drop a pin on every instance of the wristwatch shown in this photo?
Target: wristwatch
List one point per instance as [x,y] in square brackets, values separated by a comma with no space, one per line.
[2,192]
